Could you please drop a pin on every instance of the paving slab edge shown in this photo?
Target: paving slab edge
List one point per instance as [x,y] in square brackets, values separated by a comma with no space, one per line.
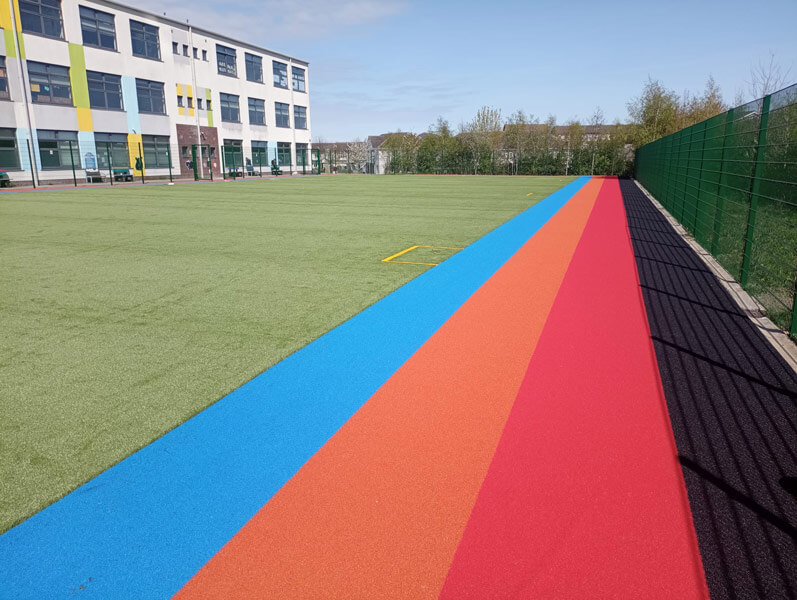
[778,338]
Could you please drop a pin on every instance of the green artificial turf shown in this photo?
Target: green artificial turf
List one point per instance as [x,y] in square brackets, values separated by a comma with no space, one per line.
[126,311]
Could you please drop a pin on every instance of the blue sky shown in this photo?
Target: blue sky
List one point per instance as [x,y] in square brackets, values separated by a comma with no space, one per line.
[378,66]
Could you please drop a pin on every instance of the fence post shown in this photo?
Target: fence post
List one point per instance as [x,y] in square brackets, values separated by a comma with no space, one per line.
[721,183]
[758,158]
[141,160]
[793,329]
[108,156]
[72,160]
[223,164]
[32,166]
[696,219]
[169,154]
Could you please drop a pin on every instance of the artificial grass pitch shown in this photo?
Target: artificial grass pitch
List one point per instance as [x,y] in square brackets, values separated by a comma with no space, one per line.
[126,311]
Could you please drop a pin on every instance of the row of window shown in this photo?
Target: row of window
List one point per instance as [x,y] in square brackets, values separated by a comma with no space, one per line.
[99,30]
[50,84]
[60,150]
[227,65]
[257,112]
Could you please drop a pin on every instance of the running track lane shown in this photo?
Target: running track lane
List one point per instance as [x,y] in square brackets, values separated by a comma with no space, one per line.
[379,510]
[584,497]
[144,527]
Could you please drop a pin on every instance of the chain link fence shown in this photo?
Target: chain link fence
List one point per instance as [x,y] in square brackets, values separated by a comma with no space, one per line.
[731,181]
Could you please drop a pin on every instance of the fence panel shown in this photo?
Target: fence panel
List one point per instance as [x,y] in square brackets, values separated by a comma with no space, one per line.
[731,181]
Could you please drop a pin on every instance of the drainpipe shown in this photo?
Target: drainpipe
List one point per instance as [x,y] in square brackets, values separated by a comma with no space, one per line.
[293,118]
[34,173]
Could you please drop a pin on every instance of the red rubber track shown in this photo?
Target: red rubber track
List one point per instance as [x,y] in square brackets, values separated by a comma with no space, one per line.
[379,510]
[584,497]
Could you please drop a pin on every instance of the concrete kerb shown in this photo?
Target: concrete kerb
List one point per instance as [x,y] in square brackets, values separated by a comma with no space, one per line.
[779,339]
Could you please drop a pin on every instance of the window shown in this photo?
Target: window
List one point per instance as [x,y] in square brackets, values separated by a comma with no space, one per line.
[254,68]
[257,111]
[185,49]
[232,153]
[190,102]
[55,147]
[145,40]
[98,28]
[229,108]
[41,16]
[156,151]
[259,153]
[282,118]
[284,153]
[300,117]
[150,97]
[301,155]
[298,79]
[207,104]
[196,52]
[205,55]
[9,157]
[105,90]
[49,84]
[175,48]
[280,74]
[179,100]
[199,103]
[3,79]
[112,147]
[225,58]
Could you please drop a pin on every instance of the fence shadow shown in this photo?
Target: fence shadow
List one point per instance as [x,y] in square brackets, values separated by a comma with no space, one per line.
[733,407]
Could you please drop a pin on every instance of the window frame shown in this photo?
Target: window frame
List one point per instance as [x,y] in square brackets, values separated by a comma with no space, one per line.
[294,79]
[145,33]
[157,145]
[8,134]
[278,114]
[119,150]
[226,52]
[281,148]
[256,62]
[96,24]
[105,79]
[150,86]
[61,145]
[5,94]
[258,110]
[278,74]
[67,101]
[296,117]
[26,15]
[226,98]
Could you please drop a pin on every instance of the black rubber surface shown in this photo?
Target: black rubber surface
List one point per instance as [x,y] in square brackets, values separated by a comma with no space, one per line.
[732,406]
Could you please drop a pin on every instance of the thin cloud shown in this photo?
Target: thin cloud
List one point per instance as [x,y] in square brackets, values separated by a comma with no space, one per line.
[263,21]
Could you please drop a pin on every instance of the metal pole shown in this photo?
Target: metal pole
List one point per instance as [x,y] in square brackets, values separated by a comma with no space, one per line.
[72,160]
[141,158]
[169,154]
[108,156]
[196,94]
[758,172]
[30,156]
[223,163]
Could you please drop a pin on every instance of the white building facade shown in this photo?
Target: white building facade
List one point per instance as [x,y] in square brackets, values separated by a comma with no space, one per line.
[88,85]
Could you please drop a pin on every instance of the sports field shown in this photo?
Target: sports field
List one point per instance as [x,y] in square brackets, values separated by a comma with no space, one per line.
[127,311]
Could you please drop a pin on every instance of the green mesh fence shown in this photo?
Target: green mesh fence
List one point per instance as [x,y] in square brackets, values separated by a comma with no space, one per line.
[731,181]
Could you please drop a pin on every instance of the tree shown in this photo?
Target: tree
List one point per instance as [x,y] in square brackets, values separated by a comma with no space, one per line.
[357,155]
[654,113]
[482,136]
[766,77]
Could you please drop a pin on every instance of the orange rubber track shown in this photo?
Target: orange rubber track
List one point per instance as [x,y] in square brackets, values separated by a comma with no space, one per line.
[380,509]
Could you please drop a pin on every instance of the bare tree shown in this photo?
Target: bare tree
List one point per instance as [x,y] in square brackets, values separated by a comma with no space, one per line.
[594,136]
[766,77]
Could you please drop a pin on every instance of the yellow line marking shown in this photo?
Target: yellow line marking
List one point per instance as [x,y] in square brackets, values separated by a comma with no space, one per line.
[406,262]
[389,258]
[531,194]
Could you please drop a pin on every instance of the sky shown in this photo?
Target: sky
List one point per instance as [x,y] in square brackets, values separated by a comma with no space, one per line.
[396,65]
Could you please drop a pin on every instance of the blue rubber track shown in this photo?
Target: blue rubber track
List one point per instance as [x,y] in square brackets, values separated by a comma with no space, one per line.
[145,526]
